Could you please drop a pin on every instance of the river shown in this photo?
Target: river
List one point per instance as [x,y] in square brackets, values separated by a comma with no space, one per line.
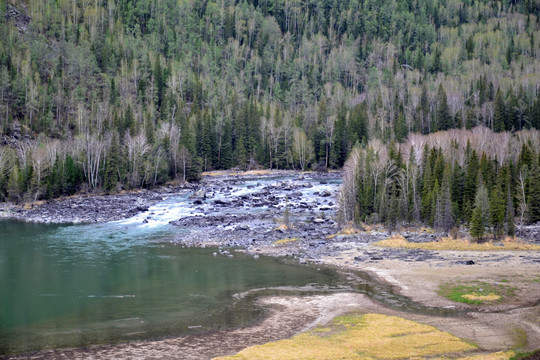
[76,285]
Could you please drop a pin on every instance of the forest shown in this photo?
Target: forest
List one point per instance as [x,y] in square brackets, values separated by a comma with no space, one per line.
[111,95]
[486,180]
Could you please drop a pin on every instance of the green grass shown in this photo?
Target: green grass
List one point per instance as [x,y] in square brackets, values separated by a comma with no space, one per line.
[477,292]
[521,355]
[521,341]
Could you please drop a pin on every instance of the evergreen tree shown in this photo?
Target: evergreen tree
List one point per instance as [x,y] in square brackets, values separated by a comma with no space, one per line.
[510,227]
[534,193]
[471,182]
[477,226]
[241,156]
[499,113]
[424,108]
[444,217]
[112,166]
[480,216]
[358,124]
[393,210]
[401,128]
[14,185]
[497,211]
[443,111]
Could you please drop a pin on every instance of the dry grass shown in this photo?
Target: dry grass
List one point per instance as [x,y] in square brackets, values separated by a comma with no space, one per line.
[348,231]
[238,173]
[478,297]
[285,241]
[30,205]
[370,336]
[282,227]
[501,355]
[448,243]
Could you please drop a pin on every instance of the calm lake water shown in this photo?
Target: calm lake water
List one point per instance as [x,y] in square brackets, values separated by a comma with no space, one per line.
[65,286]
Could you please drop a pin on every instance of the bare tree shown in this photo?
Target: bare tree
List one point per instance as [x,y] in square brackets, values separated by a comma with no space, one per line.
[137,147]
[328,130]
[349,187]
[184,159]
[93,154]
[521,195]
[302,148]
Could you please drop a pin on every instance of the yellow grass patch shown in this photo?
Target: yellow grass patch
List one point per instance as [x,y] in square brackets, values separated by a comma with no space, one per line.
[212,173]
[348,231]
[501,355]
[238,173]
[370,336]
[427,230]
[285,241]
[30,205]
[477,297]
[255,172]
[448,243]
[282,227]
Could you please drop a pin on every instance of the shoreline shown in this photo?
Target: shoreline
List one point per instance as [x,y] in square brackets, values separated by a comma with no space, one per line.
[491,329]
[312,237]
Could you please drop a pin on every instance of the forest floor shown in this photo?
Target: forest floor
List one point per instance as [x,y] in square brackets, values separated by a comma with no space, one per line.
[293,216]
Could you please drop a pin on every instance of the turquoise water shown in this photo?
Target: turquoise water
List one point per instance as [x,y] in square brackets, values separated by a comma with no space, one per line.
[65,286]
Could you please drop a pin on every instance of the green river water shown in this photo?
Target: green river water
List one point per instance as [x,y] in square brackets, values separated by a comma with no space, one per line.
[77,285]
[66,286]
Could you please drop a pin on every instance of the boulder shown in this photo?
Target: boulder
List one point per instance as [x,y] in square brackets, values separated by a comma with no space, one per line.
[200,194]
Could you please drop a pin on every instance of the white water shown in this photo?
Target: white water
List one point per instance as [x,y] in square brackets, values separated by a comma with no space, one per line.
[178,206]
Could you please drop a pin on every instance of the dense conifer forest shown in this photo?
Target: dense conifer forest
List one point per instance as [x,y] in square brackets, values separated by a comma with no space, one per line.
[105,95]
[486,180]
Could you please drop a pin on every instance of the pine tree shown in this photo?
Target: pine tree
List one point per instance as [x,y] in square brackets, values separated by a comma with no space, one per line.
[358,123]
[471,182]
[480,217]
[71,176]
[534,194]
[477,226]
[443,111]
[401,128]
[444,217]
[510,227]
[497,211]
[112,165]
[424,107]
[241,158]
[14,185]
[393,210]
[499,113]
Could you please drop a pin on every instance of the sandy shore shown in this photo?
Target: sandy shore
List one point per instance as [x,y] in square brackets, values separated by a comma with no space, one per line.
[494,327]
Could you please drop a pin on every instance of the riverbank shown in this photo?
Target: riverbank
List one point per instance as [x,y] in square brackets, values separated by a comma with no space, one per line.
[314,237]
[290,315]
[294,215]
